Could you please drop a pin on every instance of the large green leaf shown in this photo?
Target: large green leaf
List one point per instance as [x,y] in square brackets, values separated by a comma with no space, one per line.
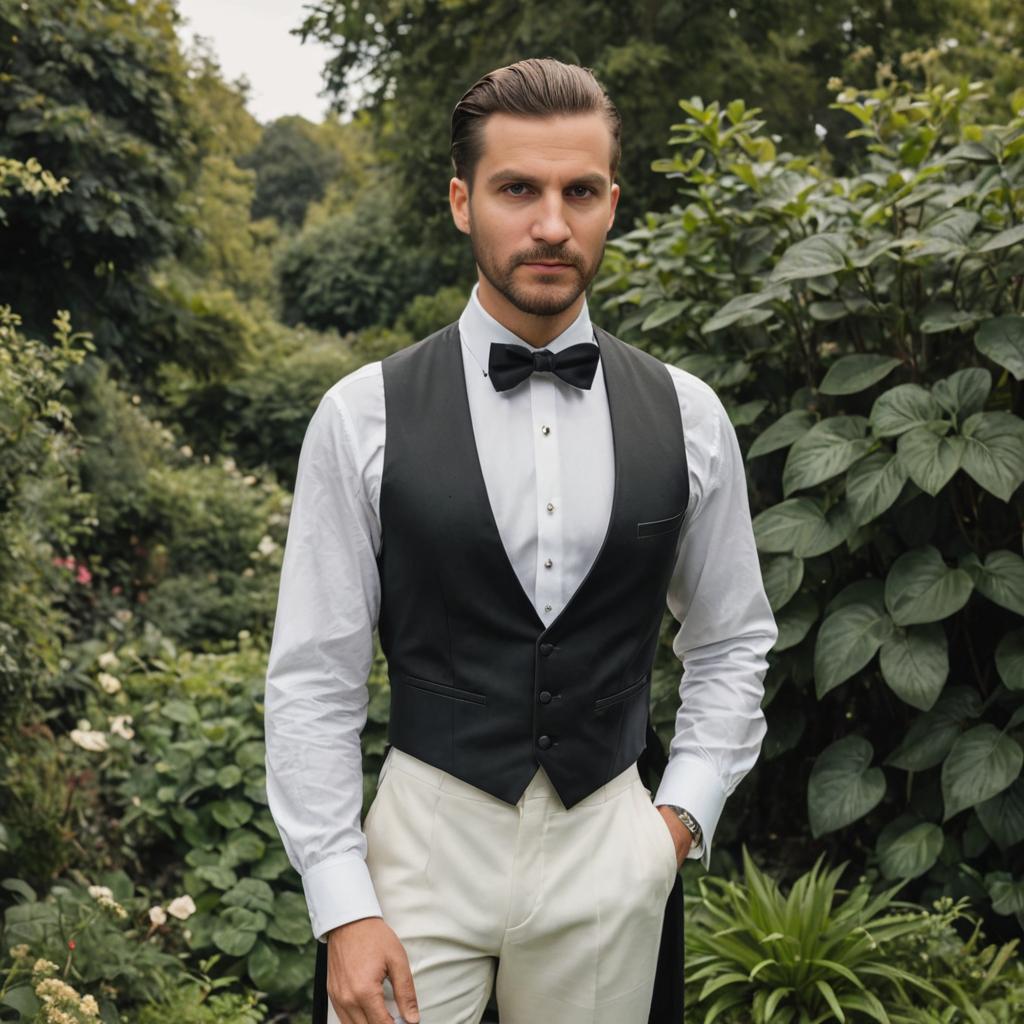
[1010,660]
[963,393]
[290,920]
[931,735]
[237,929]
[847,640]
[1002,340]
[231,813]
[843,786]
[982,763]
[873,484]
[1004,239]
[929,458]
[1000,578]
[901,409]
[251,893]
[662,314]
[850,374]
[1007,892]
[262,965]
[799,526]
[993,451]
[812,257]
[915,664]
[795,621]
[782,575]
[1003,815]
[738,309]
[921,588]
[908,852]
[827,449]
[782,433]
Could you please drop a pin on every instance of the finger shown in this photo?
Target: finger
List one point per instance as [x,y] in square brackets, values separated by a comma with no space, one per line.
[352,1016]
[405,991]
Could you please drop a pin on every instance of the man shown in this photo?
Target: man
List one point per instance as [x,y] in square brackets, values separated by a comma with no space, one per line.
[512,501]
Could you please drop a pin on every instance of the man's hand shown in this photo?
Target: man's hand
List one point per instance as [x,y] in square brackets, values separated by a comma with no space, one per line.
[681,835]
[359,956]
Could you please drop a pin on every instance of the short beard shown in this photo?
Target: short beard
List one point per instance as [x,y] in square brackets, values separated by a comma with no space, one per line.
[502,278]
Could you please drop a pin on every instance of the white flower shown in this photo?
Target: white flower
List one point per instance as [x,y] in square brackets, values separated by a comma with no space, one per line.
[182,907]
[108,659]
[248,571]
[248,480]
[244,634]
[186,450]
[89,739]
[123,614]
[267,545]
[136,800]
[157,915]
[111,684]
[119,726]
[84,723]
[96,891]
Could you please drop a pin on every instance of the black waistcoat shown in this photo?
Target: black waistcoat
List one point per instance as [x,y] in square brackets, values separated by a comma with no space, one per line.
[479,687]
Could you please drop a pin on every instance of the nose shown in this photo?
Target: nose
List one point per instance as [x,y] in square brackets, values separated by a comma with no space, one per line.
[550,225]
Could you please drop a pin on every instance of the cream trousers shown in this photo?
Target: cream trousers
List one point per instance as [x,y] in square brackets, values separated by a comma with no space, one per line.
[565,905]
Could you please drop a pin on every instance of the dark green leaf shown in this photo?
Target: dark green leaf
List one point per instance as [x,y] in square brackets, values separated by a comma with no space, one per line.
[843,786]
[827,449]
[982,763]
[1002,340]
[873,484]
[929,459]
[1004,239]
[964,392]
[662,315]
[847,640]
[782,433]
[931,735]
[812,257]
[782,575]
[236,930]
[993,451]
[290,921]
[1003,816]
[915,664]
[901,408]
[1010,660]
[921,588]
[251,893]
[795,621]
[909,852]
[1000,578]
[850,374]
[739,308]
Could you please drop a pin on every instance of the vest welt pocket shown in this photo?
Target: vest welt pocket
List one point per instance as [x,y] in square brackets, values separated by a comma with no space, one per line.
[614,698]
[442,689]
[655,526]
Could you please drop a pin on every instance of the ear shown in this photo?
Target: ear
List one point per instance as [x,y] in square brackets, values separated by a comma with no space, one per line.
[613,196]
[458,200]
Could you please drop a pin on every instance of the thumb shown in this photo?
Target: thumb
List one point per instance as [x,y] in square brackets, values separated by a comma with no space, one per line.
[405,993]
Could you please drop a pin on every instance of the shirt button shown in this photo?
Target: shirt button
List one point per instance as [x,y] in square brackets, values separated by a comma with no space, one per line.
[546,649]
[544,697]
[551,508]
[547,607]
[543,742]
[548,563]
[545,430]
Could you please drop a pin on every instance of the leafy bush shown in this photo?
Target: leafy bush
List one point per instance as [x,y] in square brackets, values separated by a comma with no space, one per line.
[754,955]
[866,333]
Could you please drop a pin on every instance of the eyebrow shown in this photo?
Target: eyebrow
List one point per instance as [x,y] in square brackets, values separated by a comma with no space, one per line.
[596,181]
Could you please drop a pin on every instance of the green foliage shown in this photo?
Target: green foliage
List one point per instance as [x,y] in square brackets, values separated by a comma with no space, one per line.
[98,92]
[41,507]
[866,334]
[756,955]
[350,272]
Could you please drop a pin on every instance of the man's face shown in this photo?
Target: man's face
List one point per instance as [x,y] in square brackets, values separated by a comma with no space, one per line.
[540,209]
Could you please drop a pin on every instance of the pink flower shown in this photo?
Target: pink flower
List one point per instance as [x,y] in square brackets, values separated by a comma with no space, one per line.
[83,575]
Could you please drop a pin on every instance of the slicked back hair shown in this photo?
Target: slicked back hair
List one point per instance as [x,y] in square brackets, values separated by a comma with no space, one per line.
[536,87]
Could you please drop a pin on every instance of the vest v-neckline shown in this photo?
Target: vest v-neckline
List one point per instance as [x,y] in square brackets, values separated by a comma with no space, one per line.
[479,483]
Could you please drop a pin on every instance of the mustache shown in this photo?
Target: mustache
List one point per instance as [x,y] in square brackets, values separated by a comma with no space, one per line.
[550,256]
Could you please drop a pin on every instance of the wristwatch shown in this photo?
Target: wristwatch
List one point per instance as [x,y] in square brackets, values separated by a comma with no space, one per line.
[690,822]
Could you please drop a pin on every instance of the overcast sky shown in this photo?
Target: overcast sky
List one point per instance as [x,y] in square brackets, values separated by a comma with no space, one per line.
[251,38]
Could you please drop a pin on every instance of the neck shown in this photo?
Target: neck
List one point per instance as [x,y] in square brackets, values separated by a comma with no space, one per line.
[534,330]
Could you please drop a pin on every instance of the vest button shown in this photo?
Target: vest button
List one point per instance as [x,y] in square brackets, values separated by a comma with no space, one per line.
[544,697]
[546,649]
[543,742]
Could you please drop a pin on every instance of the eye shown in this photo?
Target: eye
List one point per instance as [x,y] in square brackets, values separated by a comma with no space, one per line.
[515,185]
[581,191]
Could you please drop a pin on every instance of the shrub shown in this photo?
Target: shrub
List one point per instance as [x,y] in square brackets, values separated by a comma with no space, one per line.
[867,335]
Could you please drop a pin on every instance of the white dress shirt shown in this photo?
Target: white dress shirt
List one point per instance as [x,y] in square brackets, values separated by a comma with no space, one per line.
[550,501]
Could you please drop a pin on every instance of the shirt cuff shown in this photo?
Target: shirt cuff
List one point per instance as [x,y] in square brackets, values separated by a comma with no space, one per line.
[691,783]
[338,891]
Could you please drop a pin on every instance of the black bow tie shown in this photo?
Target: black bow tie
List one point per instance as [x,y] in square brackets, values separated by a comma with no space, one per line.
[509,365]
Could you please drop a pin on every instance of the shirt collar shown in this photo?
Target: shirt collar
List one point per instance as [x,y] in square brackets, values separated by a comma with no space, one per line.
[478,329]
